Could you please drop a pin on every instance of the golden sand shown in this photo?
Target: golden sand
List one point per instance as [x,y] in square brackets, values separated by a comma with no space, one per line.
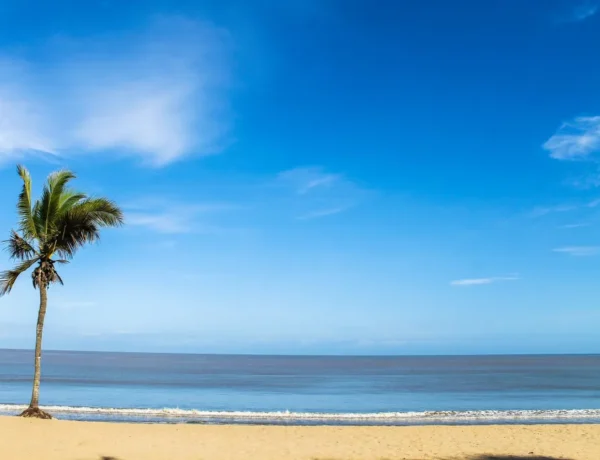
[23,439]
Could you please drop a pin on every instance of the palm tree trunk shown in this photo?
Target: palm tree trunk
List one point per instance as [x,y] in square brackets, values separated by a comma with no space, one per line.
[35,394]
[34,410]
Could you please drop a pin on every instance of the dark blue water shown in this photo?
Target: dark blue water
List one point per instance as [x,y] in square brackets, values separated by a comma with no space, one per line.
[166,387]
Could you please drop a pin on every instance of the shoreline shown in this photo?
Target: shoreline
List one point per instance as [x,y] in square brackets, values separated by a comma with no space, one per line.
[289,418]
[24,439]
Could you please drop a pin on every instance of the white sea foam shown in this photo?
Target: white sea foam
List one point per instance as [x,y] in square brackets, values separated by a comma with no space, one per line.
[382,417]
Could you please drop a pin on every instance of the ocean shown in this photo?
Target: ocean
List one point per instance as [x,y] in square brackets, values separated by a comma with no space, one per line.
[394,390]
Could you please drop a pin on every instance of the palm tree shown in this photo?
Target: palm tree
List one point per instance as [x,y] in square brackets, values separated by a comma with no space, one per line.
[50,231]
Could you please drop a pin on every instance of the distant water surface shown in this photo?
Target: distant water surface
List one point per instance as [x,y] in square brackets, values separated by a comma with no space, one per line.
[303,389]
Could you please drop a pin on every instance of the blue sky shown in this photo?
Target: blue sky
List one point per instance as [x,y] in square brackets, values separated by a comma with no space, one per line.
[332,176]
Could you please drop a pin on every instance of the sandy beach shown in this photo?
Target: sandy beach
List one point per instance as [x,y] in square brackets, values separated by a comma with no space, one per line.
[22,439]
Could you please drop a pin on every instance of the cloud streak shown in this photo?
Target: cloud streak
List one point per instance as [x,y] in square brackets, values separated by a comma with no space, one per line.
[306,179]
[579,251]
[158,95]
[575,140]
[173,218]
[316,193]
[578,225]
[322,213]
[482,281]
[585,11]
[545,210]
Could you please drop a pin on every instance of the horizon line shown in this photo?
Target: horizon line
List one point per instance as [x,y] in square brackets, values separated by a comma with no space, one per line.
[300,355]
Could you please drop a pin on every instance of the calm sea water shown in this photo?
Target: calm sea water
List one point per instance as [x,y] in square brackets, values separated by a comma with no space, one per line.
[295,389]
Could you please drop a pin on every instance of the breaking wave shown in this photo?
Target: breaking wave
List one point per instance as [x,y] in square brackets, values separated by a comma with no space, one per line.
[176,415]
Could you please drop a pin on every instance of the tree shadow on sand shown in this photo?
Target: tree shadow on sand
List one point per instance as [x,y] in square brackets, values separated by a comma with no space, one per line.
[478,457]
[511,457]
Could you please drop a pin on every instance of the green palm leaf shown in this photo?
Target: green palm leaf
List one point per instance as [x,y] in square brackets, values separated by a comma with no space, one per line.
[8,277]
[60,222]
[19,248]
[80,224]
[24,206]
[51,200]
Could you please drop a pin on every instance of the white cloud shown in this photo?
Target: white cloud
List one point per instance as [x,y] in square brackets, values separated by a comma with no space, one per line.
[472,282]
[579,251]
[158,95]
[22,120]
[162,222]
[575,140]
[173,218]
[318,193]
[481,281]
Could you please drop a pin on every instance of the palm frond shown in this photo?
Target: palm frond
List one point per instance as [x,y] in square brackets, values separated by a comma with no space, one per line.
[51,199]
[37,220]
[8,277]
[26,219]
[68,199]
[58,223]
[57,278]
[80,224]
[103,212]
[19,248]
[74,229]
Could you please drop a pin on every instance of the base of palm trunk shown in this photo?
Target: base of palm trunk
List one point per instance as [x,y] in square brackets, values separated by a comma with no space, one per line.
[35,412]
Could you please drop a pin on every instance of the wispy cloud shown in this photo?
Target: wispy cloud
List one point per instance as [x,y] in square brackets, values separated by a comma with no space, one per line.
[593,203]
[318,193]
[579,251]
[584,182]
[582,12]
[322,213]
[173,218]
[481,281]
[575,140]
[577,11]
[158,95]
[579,225]
[545,210]
[303,180]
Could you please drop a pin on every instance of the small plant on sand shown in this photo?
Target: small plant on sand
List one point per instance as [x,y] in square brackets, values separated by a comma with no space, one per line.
[50,231]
